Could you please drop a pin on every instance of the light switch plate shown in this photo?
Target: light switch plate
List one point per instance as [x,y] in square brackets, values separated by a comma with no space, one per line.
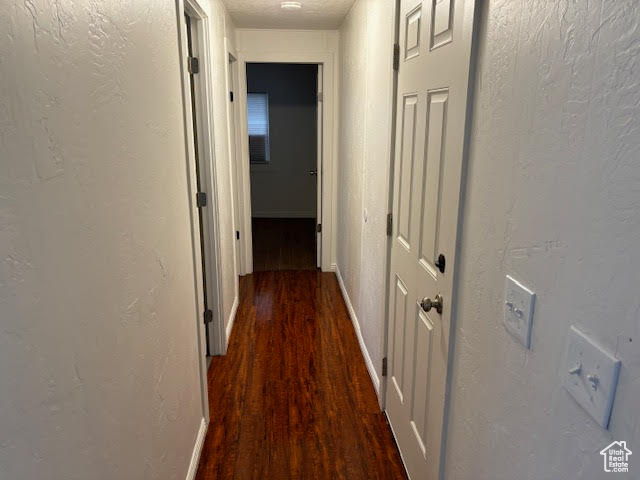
[591,375]
[518,310]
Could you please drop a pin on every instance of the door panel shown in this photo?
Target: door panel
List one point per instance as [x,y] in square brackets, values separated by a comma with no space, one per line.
[406,169]
[413,24]
[436,117]
[399,328]
[435,45]
[423,339]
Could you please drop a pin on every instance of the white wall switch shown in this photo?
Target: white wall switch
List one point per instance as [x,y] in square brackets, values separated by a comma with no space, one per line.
[518,310]
[591,376]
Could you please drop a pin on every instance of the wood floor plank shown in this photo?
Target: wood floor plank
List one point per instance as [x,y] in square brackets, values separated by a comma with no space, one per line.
[292,399]
[283,244]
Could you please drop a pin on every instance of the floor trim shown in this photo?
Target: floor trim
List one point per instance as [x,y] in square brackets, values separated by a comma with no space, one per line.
[197,450]
[232,319]
[356,325]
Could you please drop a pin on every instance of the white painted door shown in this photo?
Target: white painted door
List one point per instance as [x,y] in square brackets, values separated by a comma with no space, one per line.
[196,144]
[435,52]
[319,169]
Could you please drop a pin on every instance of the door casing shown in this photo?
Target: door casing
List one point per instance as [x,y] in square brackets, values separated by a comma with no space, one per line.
[326,168]
[319,116]
[235,148]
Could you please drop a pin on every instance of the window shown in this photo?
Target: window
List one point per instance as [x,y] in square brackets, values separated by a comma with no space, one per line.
[258,114]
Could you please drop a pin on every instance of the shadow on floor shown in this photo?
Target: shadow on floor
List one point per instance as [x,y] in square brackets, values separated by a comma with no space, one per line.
[284,244]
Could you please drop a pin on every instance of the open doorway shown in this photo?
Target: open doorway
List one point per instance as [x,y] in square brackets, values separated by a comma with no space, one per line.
[283,120]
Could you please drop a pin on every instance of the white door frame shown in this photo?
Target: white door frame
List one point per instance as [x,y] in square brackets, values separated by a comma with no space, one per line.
[392,152]
[235,149]
[319,137]
[207,167]
[326,166]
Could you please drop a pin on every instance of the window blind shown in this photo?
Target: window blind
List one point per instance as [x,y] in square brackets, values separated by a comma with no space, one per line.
[258,116]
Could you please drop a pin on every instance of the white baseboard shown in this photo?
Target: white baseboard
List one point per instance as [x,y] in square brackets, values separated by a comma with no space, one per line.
[255,214]
[332,268]
[232,319]
[356,325]
[197,450]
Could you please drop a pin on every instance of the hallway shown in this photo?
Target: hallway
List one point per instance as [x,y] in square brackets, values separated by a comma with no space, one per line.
[320,239]
[292,398]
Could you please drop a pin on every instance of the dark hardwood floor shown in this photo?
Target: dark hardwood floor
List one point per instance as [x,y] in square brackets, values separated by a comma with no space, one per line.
[292,398]
[284,244]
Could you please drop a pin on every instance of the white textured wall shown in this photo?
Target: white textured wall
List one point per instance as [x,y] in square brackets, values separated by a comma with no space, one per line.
[98,346]
[286,42]
[552,197]
[366,49]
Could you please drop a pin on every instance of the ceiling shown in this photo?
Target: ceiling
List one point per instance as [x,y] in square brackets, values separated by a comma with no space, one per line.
[314,14]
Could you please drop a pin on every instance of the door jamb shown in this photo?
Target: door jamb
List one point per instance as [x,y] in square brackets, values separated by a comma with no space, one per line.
[319,150]
[392,146]
[231,70]
[325,164]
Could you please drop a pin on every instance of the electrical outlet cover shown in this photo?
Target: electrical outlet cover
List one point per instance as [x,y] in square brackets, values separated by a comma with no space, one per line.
[590,375]
[518,310]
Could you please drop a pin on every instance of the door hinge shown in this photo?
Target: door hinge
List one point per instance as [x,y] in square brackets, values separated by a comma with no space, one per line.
[396,57]
[384,367]
[389,224]
[208,316]
[231,96]
[319,97]
[193,64]
[201,199]
[237,234]
[319,228]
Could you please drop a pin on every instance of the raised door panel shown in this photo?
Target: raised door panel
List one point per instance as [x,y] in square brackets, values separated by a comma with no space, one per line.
[413,31]
[405,170]
[442,23]
[422,374]
[399,330]
[432,179]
